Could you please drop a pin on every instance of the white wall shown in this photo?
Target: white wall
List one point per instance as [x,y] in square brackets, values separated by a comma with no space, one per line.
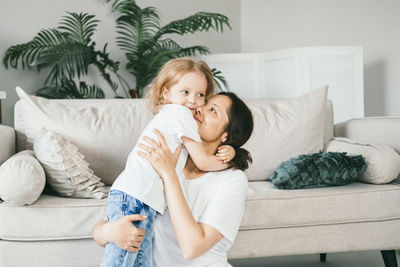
[258,26]
[275,24]
[20,20]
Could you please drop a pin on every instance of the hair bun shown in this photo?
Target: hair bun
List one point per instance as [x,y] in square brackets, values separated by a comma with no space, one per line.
[242,159]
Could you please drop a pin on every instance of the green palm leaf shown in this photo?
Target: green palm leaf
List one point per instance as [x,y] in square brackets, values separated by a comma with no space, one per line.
[28,53]
[201,21]
[166,44]
[68,51]
[150,62]
[140,38]
[220,80]
[194,50]
[68,59]
[69,89]
[66,89]
[80,27]
[136,27]
[91,91]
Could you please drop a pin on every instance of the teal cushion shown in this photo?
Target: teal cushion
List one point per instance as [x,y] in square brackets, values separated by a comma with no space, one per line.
[318,170]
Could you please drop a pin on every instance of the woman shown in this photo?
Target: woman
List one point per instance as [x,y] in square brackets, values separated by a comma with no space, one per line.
[202,220]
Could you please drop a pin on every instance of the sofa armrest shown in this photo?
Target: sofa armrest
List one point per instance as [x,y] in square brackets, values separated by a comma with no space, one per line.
[7,142]
[375,130]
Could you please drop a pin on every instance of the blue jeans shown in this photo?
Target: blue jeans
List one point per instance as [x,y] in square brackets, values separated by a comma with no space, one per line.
[120,204]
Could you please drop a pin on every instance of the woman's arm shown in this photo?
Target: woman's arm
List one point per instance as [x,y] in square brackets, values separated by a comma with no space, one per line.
[225,153]
[194,238]
[121,232]
[99,233]
[201,159]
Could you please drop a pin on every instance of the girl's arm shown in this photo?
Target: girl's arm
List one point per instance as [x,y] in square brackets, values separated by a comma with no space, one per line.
[201,159]
[225,153]
[121,232]
[194,238]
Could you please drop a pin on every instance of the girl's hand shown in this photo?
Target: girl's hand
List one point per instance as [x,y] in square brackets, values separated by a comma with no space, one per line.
[124,234]
[225,153]
[161,158]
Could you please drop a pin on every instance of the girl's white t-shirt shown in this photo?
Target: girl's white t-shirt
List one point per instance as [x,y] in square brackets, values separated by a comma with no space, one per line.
[139,179]
[216,199]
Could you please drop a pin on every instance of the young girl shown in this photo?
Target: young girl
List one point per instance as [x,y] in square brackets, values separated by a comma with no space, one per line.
[181,86]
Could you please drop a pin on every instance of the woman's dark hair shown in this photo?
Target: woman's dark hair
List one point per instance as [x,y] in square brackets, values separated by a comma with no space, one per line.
[239,129]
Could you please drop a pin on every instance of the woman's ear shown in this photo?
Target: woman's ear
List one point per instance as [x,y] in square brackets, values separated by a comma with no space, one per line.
[224,137]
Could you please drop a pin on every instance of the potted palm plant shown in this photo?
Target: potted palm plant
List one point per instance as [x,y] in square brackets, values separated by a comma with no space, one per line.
[67,51]
[147,44]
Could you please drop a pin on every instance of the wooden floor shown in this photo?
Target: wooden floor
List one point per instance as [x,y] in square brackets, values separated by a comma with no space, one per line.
[349,259]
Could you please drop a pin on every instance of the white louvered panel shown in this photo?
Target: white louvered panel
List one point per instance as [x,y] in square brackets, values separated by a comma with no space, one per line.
[278,78]
[240,70]
[339,72]
[291,72]
[240,77]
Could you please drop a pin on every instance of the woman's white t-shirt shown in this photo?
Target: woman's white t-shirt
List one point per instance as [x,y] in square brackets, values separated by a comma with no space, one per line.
[217,199]
[139,179]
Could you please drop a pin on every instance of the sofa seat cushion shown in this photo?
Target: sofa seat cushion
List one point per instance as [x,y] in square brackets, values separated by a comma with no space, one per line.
[51,217]
[57,218]
[268,207]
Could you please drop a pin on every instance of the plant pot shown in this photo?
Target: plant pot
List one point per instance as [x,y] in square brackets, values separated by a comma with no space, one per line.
[134,93]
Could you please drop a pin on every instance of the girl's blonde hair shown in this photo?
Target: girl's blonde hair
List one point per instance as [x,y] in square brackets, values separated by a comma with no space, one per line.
[170,74]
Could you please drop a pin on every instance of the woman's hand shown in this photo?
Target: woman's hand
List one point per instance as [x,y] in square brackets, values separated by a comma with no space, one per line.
[161,158]
[125,235]
[121,232]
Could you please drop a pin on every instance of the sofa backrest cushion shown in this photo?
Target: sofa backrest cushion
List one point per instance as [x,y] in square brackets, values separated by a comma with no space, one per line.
[284,129]
[105,130]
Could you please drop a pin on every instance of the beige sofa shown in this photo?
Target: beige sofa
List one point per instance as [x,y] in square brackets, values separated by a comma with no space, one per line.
[57,231]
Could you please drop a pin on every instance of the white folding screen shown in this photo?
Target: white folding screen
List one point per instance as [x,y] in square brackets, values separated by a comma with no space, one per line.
[242,71]
[291,72]
[342,71]
[280,74]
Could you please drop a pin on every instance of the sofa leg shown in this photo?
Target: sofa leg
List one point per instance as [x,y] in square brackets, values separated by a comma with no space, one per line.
[322,257]
[389,258]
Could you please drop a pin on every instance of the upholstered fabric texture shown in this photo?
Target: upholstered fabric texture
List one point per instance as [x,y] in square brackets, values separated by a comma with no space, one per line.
[7,144]
[372,130]
[311,239]
[66,170]
[300,120]
[320,206]
[268,207]
[64,219]
[318,170]
[22,179]
[60,253]
[105,131]
[383,161]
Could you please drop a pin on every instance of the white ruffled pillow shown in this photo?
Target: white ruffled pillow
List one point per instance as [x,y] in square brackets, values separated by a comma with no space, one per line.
[383,161]
[22,179]
[67,171]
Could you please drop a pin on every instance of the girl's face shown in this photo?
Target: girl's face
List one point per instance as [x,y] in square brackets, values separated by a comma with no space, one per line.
[189,91]
[212,119]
